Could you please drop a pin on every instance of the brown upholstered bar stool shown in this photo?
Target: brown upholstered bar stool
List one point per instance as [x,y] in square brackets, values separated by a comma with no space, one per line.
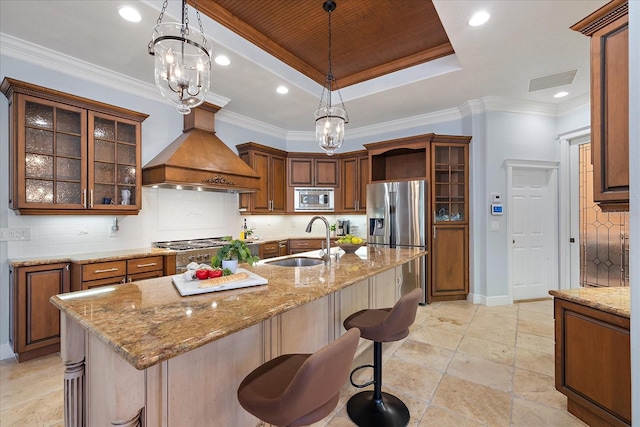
[375,408]
[299,389]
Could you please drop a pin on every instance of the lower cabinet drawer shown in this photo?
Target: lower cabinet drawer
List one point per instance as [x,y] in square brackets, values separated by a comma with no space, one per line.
[145,275]
[117,280]
[103,270]
[144,265]
[306,244]
[269,250]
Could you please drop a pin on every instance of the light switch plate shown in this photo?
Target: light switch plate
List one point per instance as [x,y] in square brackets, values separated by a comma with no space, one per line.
[495,226]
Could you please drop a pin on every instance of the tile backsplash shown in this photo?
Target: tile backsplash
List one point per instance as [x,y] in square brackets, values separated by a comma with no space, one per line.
[165,215]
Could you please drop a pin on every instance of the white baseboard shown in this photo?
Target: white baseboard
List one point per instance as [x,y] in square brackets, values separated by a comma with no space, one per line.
[488,301]
[5,351]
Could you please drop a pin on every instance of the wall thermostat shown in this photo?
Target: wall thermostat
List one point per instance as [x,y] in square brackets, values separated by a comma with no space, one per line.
[496,209]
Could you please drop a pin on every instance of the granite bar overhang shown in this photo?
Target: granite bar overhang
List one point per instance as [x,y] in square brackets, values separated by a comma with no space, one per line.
[148,322]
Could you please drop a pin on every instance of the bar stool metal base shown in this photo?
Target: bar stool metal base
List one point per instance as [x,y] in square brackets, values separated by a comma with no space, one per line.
[389,411]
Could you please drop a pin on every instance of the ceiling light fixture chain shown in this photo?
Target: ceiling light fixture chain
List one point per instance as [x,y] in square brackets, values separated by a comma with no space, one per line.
[330,120]
[182,60]
[164,7]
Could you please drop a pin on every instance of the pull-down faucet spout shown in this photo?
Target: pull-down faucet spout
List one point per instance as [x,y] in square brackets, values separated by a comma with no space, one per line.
[326,253]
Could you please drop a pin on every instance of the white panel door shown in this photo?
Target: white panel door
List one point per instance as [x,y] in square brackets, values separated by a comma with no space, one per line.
[532,234]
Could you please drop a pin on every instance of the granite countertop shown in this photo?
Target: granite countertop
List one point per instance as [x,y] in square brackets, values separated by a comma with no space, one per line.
[611,300]
[87,258]
[147,322]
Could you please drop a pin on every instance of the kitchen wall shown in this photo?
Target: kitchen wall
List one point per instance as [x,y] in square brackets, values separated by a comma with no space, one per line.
[500,131]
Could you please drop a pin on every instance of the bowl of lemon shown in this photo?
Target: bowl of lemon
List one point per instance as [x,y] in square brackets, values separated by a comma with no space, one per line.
[350,243]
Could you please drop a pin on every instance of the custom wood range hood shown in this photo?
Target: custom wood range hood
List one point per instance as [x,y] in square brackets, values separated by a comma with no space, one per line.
[199,160]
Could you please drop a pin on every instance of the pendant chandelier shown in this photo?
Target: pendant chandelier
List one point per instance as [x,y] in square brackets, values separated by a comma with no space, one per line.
[330,120]
[182,60]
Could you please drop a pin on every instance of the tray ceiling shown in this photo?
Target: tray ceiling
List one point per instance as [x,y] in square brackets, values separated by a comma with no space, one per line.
[369,38]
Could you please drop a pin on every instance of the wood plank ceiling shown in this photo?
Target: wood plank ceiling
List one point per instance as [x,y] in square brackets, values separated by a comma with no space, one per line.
[370,38]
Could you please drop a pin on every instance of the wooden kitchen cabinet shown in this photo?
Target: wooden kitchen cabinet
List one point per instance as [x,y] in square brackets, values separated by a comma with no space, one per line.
[271,165]
[34,323]
[593,363]
[145,268]
[313,170]
[399,159]
[450,263]
[283,247]
[71,155]
[449,249]
[269,250]
[443,160]
[87,276]
[297,246]
[354,180]
[608,28]
[274,249]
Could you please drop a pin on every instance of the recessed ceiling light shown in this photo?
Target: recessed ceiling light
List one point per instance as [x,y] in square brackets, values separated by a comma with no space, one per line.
[130,14]
[479,18]
[282,89]
[222,60]
[561,94]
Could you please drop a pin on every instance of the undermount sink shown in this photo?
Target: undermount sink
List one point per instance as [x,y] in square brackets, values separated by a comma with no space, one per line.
[296,262]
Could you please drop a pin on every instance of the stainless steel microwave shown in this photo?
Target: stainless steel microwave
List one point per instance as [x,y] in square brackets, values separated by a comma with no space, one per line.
[313,199]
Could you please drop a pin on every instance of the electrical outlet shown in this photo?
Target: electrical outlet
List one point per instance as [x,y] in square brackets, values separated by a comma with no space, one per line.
[15,234]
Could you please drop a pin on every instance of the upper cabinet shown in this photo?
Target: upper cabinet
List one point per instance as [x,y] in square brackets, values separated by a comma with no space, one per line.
[271,165]
[399,159]
[313,170]
[608,28]
[449,177]
[355,177]
[71,155]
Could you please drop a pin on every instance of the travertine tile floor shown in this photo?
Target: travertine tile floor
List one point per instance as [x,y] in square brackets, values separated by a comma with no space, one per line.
[463,365]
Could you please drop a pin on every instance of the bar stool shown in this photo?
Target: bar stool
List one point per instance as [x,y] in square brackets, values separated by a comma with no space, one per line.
[375,408]
[299,389]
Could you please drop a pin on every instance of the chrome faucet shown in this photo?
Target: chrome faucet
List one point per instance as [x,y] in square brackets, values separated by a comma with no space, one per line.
[325,253]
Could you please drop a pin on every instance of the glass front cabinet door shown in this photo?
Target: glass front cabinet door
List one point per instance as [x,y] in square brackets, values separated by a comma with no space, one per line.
[115,156]
[71,155]
[50,154]
[450,183]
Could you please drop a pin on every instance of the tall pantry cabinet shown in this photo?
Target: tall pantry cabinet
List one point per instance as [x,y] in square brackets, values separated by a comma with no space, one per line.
[450,220]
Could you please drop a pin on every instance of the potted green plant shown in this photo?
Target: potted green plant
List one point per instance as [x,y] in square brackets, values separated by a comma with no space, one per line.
[231,254]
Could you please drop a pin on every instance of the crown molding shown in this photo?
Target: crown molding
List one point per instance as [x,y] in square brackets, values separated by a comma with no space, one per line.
[406,123]
[580,101]
[507,105]
[239,120]
[50,59]
[472,107]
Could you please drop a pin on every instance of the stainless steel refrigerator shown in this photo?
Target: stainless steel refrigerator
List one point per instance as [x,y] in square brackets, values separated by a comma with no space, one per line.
[397,217]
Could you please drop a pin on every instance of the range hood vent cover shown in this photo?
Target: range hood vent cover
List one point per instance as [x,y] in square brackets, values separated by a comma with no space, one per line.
[199,160]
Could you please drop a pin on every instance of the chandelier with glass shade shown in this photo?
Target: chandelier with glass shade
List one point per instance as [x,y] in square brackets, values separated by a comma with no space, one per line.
[330,120]
[182,60]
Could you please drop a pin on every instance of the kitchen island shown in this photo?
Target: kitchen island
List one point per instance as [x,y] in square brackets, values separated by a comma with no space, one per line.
[141,354]
[592,353]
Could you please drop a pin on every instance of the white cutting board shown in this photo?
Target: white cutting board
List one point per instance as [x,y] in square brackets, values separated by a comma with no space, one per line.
[190,287]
